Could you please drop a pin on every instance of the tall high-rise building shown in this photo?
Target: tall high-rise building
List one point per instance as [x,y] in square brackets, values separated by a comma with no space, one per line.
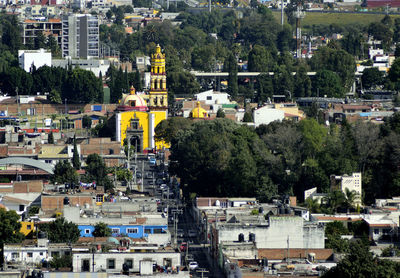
[80,36]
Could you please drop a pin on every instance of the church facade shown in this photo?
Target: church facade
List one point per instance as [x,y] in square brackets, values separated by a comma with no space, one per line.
[138,114]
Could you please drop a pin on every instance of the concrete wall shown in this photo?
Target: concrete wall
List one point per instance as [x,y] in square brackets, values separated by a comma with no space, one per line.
[267,115]
[280,231]
[38,58]
[30,255]
[101,259]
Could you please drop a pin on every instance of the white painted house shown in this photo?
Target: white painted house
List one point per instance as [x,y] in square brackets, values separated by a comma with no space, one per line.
[38,58]
[212,97]
[266,115]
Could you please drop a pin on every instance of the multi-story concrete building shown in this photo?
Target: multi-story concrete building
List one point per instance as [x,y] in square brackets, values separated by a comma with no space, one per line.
[50,27]
[352,183]
[80,36]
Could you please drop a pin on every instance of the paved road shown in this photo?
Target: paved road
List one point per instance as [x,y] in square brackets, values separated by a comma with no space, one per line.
[197,249]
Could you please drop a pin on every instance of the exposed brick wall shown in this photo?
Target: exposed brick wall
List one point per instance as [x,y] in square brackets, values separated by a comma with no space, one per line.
[280,254]
[3,150]
[51,203]
[48,109]
[21,187]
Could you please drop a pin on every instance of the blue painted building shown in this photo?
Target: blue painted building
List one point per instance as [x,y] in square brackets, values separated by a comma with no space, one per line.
[133,231]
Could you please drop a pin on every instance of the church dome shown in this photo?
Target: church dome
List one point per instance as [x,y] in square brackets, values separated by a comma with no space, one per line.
[198,112]
[133,101]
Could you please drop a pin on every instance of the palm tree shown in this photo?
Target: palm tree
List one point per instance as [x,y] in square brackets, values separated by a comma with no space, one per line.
[313,205]
[334,200]
[350,197]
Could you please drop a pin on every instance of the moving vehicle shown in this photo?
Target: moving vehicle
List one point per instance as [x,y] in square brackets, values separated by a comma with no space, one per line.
[193,265]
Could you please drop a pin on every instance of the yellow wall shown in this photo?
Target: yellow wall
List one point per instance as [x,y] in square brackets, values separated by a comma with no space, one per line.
[25,229]
[294,110]
[144,123]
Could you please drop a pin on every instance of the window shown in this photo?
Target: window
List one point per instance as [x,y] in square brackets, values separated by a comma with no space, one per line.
[41,253]
[21,207]
[87,231]
[55,254]
[30,255]
[147,231]
[129,263]
[28,227]
[209,97]
[15,255]
[111,264]
[115,230]
[131,231]
[386,231]
[99,198]
[159,231]
[376,231]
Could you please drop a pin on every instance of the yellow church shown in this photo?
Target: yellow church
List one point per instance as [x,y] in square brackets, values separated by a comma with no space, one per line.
[138,114]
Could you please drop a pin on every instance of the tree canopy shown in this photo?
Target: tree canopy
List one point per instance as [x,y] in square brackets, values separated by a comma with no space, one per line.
[61,231]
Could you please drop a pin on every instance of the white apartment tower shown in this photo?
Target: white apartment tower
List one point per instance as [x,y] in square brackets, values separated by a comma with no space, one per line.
[80,36]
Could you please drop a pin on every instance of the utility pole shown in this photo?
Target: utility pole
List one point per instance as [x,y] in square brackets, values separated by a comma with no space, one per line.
[18,112]
[287,259]
[128,164]
[142,175]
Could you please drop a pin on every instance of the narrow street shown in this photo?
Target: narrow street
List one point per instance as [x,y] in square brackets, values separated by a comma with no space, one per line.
[188,231]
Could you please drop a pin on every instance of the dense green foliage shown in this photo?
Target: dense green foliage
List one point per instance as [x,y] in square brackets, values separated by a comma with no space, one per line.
[64,172]
[58,262]
[360,262]
[76,162]
[219,157]
[61,231]
[101,229]
[76,85]
[97,171]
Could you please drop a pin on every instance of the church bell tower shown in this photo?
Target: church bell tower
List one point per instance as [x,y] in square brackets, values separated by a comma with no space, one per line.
[158,96]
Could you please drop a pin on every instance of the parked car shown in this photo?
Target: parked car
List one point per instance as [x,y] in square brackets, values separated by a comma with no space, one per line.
[138,175]
[152,161]
[192,233]
[193,265]
[149,175]
[179,233]
[183,247]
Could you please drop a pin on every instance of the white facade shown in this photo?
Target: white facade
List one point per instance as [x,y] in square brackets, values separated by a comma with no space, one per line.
[112,262]
[266,115]
[94,65]
[210,97]
[281,231]
[25,254]
[353,182]
[38,58]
